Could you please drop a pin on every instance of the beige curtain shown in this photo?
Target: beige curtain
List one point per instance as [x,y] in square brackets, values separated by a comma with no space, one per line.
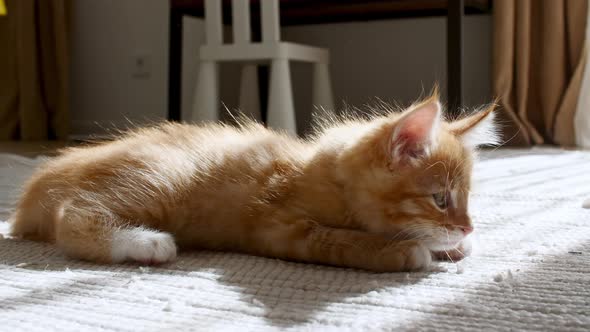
[34,78]
[539,57]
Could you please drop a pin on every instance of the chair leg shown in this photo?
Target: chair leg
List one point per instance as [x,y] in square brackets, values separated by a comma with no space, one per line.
[322,88]
[281,111]
[205,106]
[249,98]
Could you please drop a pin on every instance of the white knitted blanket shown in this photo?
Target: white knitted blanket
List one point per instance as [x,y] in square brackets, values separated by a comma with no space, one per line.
[530,271]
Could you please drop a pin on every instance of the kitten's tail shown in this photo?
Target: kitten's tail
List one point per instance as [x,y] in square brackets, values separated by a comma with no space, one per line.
[32,220]
[29,229]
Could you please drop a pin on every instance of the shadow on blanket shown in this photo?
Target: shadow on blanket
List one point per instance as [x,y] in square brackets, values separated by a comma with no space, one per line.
[285,294]
[290,294]
[545,292]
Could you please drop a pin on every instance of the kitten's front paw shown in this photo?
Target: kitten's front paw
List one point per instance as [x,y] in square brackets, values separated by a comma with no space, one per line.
[419,258]
[463,250]
[144,246]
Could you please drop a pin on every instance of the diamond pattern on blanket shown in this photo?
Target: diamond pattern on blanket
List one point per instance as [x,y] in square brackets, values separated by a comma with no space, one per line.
[530,270]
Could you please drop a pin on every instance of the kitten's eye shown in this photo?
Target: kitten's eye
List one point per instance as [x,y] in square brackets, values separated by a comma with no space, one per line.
[440,199]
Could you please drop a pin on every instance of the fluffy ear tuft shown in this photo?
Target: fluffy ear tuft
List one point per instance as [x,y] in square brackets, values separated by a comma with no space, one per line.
[477,129]
[415,134]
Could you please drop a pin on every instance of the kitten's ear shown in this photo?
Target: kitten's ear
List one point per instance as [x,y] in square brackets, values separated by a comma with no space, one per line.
[415,134]
[477,129]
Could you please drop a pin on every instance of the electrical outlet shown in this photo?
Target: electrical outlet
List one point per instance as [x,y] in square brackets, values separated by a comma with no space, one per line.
[141,66]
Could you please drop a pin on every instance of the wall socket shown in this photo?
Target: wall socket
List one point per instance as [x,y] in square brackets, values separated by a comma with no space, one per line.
[141,66]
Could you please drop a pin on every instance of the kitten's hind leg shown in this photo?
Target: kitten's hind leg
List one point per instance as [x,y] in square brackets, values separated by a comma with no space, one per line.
[142,245]
[88,234]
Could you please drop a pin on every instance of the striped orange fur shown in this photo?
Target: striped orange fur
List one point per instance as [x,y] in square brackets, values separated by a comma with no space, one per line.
[381,194]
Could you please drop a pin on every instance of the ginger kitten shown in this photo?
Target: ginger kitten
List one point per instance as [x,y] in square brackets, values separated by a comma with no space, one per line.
[382,194]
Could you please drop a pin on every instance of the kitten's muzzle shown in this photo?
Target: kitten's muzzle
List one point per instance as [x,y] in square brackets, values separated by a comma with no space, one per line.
[466,229]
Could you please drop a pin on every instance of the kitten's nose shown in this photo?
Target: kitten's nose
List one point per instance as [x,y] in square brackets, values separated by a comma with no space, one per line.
[466,229]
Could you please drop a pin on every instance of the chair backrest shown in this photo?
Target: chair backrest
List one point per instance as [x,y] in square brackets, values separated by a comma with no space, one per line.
[269,14]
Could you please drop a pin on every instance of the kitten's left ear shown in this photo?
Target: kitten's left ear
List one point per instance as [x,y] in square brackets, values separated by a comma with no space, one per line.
[477,129]
[415,134]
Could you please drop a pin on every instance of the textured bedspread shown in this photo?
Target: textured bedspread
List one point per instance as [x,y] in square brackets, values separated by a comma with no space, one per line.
[530,270]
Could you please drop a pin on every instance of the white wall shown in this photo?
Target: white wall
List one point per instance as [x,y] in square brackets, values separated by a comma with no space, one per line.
[106,35]
[394,59]
[389,59]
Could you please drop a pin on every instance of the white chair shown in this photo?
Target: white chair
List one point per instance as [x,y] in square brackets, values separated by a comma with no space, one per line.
[281,111]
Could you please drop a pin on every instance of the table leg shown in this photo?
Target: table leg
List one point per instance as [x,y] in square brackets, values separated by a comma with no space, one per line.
[175,66]
[455,20]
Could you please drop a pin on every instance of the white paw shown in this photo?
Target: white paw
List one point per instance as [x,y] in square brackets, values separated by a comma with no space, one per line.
[142,245]
[465,247]
[419,258]
[462,250]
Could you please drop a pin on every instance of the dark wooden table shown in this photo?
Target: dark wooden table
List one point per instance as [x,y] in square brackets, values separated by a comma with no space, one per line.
[300,12]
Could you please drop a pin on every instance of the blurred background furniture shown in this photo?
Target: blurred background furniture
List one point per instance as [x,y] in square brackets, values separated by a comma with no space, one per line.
[299,12]
[281,110]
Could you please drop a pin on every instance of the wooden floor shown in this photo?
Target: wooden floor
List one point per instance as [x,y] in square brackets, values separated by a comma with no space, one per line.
[34,148]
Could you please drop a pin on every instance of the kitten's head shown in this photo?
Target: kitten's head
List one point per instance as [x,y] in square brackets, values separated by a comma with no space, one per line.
[409,175]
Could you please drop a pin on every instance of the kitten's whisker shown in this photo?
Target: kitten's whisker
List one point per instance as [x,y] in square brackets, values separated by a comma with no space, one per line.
[507,141]
[436,163]
[449,256]
[448,238]
[447,181]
